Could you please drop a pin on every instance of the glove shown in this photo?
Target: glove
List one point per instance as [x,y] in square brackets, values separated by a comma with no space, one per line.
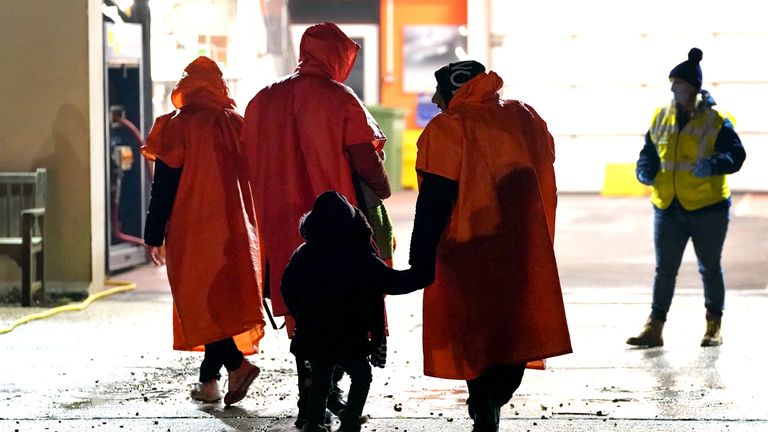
[644,178]
[703,168]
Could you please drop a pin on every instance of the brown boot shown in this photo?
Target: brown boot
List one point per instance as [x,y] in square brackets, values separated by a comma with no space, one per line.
[712,337]
[650,336]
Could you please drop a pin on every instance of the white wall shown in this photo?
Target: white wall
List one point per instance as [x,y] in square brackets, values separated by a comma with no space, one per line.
[596,70]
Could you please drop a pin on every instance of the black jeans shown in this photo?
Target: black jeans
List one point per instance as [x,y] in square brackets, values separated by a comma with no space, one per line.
[359,371]
[218,354]
[489,392]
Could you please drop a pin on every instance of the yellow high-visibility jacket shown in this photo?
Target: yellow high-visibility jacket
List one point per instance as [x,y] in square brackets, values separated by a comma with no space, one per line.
[678,151]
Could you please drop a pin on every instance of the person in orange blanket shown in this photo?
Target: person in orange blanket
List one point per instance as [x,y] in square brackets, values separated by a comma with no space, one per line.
[305,134]
[484,227]
[202,209]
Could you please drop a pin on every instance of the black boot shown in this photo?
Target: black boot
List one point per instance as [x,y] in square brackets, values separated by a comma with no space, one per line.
[486,417]
[491,391]
[351,421]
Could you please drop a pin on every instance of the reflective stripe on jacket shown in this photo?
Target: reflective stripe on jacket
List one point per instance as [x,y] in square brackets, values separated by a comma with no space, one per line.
[679,150]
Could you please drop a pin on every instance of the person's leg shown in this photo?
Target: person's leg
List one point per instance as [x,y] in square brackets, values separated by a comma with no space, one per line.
[207,390]
[670,235]
[213,361]
[481,402]
[322,375]
[231,357]
[359,371]
[508,379]
[708,234]
[303,372]
[336,398]
[709,231]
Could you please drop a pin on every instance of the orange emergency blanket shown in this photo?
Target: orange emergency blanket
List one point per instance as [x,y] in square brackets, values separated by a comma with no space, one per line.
[496,296]
[296,132]
[211,239]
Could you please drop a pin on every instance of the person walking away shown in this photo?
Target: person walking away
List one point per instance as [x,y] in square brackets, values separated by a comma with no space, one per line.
[305,134]
[201,210]
[689,149]
[484,232]
[334,287]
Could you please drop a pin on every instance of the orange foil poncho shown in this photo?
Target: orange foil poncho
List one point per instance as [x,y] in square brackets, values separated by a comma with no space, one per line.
[496,297]
[211,241]
[296,133]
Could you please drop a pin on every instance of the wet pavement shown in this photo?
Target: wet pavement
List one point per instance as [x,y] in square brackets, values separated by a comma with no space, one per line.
[110,367]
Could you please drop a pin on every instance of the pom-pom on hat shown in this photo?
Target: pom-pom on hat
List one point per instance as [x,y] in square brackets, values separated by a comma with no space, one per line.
[689,70]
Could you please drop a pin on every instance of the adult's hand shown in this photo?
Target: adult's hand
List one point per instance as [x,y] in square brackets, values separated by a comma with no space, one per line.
[644,178]
[157,253]
[703,168]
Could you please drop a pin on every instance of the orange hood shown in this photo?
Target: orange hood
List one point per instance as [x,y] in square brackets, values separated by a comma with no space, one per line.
[482,88]
[201,81]
[326,51]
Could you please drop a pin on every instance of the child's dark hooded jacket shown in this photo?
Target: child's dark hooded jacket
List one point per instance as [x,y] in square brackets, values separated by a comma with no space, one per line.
[334,284]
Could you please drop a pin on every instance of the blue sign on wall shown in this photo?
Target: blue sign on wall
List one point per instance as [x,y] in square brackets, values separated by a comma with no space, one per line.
[425,110]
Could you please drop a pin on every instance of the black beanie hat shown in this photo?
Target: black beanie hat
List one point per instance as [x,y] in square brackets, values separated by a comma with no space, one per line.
[450,78]
[689,70]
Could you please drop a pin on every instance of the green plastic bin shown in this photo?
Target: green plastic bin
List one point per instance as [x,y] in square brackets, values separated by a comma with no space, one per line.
[392,123]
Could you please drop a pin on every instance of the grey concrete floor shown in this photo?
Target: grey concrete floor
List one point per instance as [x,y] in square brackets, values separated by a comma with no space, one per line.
[110,367]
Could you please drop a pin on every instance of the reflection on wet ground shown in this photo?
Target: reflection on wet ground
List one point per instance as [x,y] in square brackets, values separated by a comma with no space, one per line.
[112,365]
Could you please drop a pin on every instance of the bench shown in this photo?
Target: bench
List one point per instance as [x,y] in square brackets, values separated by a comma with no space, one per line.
[22,227]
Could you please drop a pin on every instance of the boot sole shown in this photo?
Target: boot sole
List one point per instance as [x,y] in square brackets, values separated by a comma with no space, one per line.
[645,345]
[205,399]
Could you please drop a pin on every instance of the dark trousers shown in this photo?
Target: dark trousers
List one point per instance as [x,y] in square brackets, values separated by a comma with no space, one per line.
[218,354]
[489,392]
[335,401]
[672,229]
[322,372]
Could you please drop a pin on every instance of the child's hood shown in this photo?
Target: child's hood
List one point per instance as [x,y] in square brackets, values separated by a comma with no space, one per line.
[333,220]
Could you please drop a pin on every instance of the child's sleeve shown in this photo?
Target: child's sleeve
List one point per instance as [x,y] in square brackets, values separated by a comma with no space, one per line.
[391,281]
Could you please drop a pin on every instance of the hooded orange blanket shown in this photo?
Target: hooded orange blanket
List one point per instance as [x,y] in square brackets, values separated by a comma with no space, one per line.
[296,132]
[211,242]
[496,297]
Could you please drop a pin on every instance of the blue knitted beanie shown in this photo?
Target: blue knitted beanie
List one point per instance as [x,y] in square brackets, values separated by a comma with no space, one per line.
[689,70]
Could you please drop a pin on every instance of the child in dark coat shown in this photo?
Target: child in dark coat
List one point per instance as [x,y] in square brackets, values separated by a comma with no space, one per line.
[334,287]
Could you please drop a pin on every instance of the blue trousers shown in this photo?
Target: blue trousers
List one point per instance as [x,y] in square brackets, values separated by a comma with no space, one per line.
[706,228]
